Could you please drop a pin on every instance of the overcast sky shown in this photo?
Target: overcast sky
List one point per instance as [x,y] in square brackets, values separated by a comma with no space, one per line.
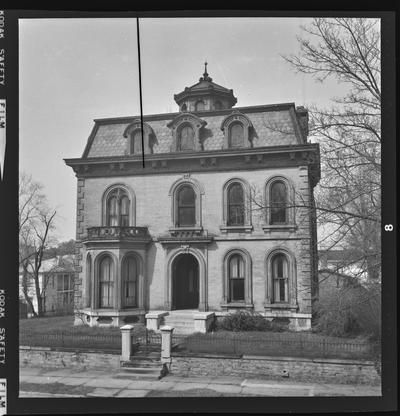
[75,70]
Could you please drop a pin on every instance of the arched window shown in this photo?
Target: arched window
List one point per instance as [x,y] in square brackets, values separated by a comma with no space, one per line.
[236,279]
[186,138]
[136,142]
[184,107]
[236,135]
[236,205]
[88,286]
[280,277]
[278,203]
[200,106]
[106,283]
[130,277]
[118,207]
[186,207]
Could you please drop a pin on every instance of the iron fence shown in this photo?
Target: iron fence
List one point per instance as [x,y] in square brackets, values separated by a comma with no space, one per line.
[71,339]
[280,346]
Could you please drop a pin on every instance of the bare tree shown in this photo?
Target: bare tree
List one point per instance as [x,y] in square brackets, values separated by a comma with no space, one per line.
[348,197]
[36,224]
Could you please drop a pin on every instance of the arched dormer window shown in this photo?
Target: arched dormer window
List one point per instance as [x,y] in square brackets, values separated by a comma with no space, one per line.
[184,108]
[237,287]
[133,132]
[236,204]
[236,135]
[279,200]
[136,142]
[186,137]
[237,129]
[281,279]
[118,206]
[186,129]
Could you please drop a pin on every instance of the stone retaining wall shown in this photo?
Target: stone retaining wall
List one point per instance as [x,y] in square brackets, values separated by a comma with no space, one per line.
[47,358]
[298,369]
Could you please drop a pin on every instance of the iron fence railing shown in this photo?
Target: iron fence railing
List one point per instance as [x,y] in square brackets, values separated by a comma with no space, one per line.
[275,346]
[71,339]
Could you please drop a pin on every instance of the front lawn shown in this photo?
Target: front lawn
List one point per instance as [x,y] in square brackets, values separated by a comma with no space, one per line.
[59,331]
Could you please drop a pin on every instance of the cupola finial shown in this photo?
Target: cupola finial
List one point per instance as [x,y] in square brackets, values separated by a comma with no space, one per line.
[205,77]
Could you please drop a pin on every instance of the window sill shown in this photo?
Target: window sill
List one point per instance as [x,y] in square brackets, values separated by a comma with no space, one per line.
[285,306]
[237,305]
[236,228]
[279,227]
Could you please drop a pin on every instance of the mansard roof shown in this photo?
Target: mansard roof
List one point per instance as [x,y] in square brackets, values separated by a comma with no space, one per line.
[272,125]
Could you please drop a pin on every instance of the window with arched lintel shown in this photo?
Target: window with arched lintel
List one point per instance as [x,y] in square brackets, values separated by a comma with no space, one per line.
[236,135]
[130,280]
[237,128]
[118,206]
[133,132]
[186,196]
[236,206]
[186,199]
[186,132]
[281,280]
[279,202]
[88,284]
[237,278]
[186,137]
[106,282]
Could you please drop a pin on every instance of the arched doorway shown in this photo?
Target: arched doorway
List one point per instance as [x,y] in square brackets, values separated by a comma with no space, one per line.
[185,282]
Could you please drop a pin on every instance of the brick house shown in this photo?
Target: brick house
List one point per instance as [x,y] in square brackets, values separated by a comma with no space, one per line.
[209,225]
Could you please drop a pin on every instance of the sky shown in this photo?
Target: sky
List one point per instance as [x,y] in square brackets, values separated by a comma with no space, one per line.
[73,71]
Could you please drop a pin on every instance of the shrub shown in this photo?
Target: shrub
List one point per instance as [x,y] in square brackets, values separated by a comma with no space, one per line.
[244,321]
[350,311]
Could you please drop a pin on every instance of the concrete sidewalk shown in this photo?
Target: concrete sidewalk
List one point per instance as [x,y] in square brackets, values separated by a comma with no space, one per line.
[38,382]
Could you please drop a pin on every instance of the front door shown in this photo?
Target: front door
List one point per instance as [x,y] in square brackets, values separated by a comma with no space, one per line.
[185,282]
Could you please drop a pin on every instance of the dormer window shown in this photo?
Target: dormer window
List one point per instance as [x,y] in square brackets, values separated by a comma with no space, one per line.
[186,132]
[184,108]
[237,129]
[133,133]
[218,105]
[136,142]
[186,138]
[236,135]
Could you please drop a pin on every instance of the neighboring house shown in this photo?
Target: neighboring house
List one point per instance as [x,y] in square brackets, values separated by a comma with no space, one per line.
[56,277]
[344,261]
[184,232]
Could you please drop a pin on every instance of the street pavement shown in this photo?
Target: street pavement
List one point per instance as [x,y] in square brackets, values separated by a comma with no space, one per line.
[39,382]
